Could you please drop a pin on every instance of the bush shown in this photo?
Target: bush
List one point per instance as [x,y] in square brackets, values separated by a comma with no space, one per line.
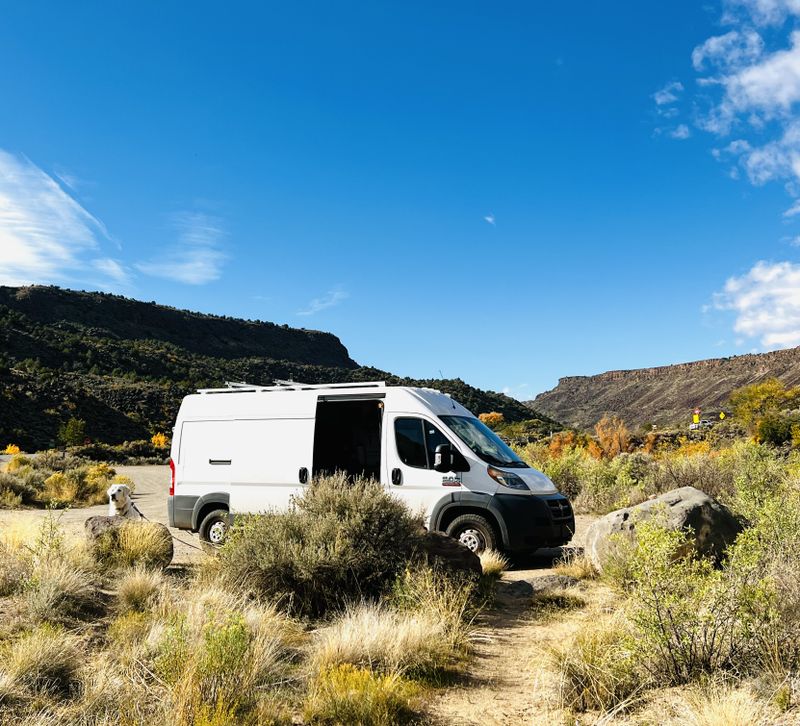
[11,449]
[14,570]
[690,618]
[349,695]
[138,589]
[217,655]
[46,660]
[58,590]
[132,543]
[376,637]
[342,540]
[598,666]
[73,432]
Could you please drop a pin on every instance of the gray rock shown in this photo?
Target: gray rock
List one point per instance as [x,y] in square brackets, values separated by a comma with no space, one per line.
[440,550]
[713,526]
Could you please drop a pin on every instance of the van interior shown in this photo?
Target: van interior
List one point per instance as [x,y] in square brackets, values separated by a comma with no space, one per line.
[347,437]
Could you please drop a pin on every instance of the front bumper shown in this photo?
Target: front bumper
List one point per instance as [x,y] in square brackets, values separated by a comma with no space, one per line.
[535,521]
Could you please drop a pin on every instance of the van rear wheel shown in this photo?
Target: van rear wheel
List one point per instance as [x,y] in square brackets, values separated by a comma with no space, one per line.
[214,527]
[473,531]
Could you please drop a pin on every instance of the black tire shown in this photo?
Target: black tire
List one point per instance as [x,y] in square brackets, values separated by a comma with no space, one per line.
[474,531]
[214,527]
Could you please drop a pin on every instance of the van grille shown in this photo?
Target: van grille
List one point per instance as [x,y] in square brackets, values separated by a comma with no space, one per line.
[560,509]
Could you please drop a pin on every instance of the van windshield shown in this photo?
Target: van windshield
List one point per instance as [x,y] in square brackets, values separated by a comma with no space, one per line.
[483,441]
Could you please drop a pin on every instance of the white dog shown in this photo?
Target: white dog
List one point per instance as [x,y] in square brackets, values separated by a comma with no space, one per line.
[120,503]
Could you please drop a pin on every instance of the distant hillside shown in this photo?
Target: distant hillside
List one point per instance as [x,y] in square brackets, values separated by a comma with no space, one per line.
[664,395]
[123,365]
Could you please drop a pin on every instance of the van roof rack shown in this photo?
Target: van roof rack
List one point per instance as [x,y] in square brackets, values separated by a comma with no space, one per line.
[238,387]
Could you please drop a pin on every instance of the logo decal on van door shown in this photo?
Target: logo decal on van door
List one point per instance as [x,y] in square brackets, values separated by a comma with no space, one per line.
[451,480]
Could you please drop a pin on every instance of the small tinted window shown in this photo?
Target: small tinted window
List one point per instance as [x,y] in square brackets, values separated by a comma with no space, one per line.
[410,442]
[417,441]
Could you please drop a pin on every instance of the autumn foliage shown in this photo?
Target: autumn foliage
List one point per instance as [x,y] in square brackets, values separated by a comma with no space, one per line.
[611,438]
[492,419]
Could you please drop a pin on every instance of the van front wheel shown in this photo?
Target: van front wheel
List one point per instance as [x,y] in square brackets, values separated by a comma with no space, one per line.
[473,531]
[214,527]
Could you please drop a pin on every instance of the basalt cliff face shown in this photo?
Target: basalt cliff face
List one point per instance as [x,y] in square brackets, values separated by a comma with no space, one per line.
[665,395]
[123,365]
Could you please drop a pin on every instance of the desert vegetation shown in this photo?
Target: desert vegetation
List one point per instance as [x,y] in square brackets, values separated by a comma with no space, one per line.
[295,619]
[56,479]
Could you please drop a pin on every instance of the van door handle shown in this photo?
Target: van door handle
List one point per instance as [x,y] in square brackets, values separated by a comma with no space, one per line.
[303,475]
[219,462]
[397,477]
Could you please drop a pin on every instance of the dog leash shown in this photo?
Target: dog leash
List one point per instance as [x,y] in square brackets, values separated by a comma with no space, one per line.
[188,544]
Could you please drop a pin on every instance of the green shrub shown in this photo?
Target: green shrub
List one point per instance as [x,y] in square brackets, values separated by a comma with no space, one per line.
[349,695]
[690,618]
[342,540]
[72,432]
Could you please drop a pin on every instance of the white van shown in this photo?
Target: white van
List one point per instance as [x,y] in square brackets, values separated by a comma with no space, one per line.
[251,449]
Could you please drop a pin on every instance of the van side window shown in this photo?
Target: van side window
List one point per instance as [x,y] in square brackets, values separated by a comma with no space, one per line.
[410,442]
[417,441]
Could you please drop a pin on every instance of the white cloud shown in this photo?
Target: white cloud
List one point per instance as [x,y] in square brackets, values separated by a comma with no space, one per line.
[680,132]
[333,298]
[521,391]
[46,235]
[766,301]
[729,51]
[668,94]
[763,12]
[490,219]
[197,257]
[112,269]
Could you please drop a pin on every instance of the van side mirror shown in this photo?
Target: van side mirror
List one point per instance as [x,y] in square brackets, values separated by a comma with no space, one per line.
[443,458]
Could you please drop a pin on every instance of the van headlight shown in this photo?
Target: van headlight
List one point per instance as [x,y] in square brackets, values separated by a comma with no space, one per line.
[506,479]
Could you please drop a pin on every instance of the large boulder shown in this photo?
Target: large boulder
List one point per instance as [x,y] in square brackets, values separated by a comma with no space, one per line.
[440,550]
[712,525]
[151,545]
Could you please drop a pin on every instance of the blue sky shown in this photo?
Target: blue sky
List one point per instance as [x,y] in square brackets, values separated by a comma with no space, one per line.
[504,192]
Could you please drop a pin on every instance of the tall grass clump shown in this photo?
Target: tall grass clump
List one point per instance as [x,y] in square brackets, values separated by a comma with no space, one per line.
[342,540]
[133,543]
[218,655]
[493,563]
[386,640]
[45,660]
[598,667]
[346,694]
[138,589]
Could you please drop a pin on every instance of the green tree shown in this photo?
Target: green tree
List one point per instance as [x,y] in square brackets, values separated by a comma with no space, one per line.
[73,432]
[750,404]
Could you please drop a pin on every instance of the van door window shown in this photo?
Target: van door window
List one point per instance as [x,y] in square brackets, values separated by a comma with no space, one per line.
[411,442]
[417,440]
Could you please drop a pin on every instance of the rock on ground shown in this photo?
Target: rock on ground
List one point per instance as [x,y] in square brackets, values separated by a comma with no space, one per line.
[713,526]
[441,550]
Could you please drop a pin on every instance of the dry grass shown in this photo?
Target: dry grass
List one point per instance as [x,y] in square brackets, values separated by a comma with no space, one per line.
[349,695]
[382,639]
[218,654]
[493,563]
[138,589]
[596,666]
[134,543]
[577,565]
[58,590]
[721,705]
[47,660]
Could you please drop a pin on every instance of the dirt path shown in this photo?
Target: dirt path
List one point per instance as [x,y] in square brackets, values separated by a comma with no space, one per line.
[507,682]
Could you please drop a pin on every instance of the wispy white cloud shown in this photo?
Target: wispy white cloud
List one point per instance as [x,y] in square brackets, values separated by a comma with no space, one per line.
[729,51]
[331,299]
[197,257]
[489,218]
[46,235]
[668,94]
[680,132]
[520,391]
[766,302]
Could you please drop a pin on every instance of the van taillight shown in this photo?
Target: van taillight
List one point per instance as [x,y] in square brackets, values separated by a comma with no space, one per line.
[171,478]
